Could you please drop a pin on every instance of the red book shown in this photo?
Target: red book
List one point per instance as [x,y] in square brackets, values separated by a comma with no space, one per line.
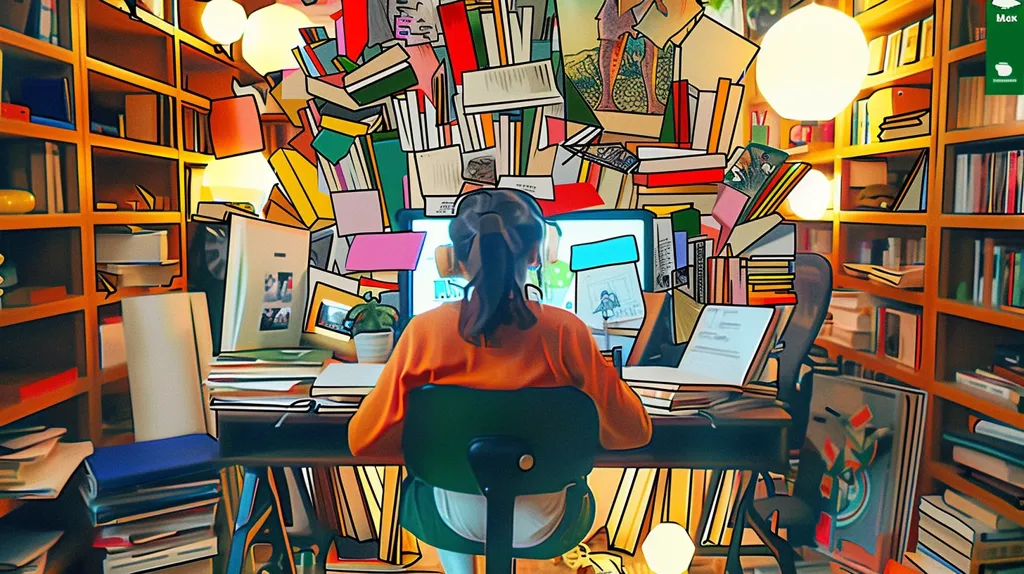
[14,112]
[570,197]
[19,386]
[355,24]
[368,283]
[303,141]
[316,61]
[235,127]
[458,39]
[681,109]
[673,178]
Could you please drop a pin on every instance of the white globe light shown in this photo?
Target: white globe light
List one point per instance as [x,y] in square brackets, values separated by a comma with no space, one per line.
[668,549]
[811,196]
[270,35]
[246,178]
[812,84]
[224,21]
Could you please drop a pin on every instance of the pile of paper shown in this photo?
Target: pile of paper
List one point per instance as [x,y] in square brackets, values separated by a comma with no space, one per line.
[35,464]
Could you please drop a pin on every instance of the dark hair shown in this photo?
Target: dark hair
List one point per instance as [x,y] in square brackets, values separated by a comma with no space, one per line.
[492,234]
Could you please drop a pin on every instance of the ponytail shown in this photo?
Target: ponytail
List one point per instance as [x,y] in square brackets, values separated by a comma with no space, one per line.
[494,246]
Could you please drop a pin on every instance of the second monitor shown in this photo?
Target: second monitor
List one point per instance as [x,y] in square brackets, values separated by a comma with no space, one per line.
[424,289]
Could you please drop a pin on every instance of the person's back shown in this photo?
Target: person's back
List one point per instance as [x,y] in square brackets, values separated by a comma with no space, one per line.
[496,339]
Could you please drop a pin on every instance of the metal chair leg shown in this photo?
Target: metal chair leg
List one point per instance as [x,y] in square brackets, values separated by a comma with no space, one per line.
[732,561]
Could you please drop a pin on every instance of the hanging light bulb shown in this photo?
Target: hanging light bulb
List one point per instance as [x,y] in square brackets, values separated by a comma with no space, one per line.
[270,35]
[224,21]
[812,84]
[246,178]
[668,549]
[811,196]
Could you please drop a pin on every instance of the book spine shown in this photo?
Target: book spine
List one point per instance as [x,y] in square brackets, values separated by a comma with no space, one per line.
[458,37]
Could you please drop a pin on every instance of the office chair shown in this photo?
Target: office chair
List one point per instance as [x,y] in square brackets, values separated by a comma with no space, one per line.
[501,444]
[813,286]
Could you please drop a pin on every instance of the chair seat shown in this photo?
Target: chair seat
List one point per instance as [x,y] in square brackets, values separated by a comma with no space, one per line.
[418,514]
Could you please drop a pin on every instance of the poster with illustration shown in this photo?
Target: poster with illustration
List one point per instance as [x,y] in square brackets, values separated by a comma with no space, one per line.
[277,299]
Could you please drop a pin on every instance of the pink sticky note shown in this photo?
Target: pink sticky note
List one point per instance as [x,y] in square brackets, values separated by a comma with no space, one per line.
[339,30]
[728,207]
[358,212]
[385,251]
[424,63]
[556,130]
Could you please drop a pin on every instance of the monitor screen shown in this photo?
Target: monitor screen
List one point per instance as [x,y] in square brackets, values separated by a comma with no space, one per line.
[424,289]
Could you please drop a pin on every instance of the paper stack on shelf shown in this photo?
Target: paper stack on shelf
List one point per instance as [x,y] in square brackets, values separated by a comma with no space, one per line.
[265,379]
[853,320]
[35,464]
[153,503]
[24,551]
[956,534]
[137,256]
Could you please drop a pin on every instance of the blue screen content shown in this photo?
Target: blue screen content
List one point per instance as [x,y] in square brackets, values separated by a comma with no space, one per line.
[430,290]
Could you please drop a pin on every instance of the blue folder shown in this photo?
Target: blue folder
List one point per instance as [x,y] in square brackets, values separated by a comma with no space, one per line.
[132,465]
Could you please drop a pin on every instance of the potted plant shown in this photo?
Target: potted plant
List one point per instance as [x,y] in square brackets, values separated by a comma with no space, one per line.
[373,330]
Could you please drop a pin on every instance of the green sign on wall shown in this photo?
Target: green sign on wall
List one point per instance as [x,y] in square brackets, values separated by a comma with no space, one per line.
[1004,55]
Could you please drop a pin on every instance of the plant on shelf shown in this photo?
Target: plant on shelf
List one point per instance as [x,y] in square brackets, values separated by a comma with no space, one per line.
[373,329]
[761,14]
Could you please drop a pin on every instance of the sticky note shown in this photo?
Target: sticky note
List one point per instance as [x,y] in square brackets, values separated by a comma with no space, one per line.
[385,251]
[332,145]
[358,212]
[603,253]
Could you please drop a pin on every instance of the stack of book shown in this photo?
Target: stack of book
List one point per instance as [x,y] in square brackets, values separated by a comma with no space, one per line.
[900,277]
[153,504]
[908,125]
[853,320]
[265,379]
[989,182]
[976,108]
[956,534]
[35,463]
[999,384]
[992,455]
[24,550]
[134,256]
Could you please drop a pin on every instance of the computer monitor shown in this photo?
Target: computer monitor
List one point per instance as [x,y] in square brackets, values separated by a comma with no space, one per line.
[424,289]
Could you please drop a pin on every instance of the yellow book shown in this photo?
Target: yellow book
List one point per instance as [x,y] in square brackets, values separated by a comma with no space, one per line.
[638,496]
[617,512]
[372,488]
[390,544]
[299,179]
[677,505]
[666,210]
[659,505]
[718,117]
[356,502]
[718,517]
[343,126]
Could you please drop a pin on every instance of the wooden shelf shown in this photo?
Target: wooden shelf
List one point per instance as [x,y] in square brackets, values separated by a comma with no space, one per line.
[130,77]
[903,295]
[193,157]
[967,135]
[916,73]
[947,474]
[9,505]
[40,221]
[99,298]
[1007,319]
[12,412]
[15,129]
[987,405]
[982,221]
[16,315]
[122,24]
[815,157]
[871,361]
[113,375]
[883,217]
[117,439]
[11,40]
[892,14]
[966,51]
[131,146]
[135,217]
[195,100]
[852,151]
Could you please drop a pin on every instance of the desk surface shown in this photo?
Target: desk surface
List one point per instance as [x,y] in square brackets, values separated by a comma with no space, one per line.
[751,440]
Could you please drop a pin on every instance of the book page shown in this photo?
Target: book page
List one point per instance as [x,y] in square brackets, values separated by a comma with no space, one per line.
[725,343]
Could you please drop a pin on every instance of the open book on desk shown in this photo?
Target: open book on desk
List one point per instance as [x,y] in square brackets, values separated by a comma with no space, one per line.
[728,347]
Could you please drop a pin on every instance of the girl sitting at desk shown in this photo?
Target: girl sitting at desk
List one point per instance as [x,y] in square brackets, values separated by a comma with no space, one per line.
[496,339]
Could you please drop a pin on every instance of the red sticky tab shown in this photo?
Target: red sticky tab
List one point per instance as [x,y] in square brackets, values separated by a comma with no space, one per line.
[823,531]
[861,418]
[826,486]
[831,452]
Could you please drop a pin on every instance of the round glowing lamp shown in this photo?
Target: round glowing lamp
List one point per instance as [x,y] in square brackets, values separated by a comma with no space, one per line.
[246,178]
[668,549]
[224,21]
[816,83]
[811,196]
[270,35]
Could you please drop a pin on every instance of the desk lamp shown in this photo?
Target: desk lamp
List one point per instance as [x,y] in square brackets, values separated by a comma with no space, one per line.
[668,549]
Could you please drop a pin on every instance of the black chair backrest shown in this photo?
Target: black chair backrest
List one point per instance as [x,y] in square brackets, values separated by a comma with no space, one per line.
[556,428]
[813,286]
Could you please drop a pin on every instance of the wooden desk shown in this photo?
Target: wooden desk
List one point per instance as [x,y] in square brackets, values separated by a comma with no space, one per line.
[748,441]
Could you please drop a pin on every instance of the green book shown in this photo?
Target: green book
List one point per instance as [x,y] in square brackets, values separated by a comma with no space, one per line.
[391,84]
[668,129]
[345,63]
[687,220]
[476,30]
[289,356]
[392,167]
[332,145]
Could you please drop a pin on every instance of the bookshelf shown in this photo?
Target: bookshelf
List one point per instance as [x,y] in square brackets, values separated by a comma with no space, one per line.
[956,334]
[104,55]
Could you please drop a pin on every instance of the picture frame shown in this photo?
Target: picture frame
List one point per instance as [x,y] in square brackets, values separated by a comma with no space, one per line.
[910,44]
[892,50]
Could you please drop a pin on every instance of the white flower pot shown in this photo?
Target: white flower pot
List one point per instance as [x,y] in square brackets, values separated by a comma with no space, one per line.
[374,347]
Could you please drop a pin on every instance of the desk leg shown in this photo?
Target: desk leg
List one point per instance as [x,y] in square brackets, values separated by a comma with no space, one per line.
[781,549]
[732,561]
[259,520]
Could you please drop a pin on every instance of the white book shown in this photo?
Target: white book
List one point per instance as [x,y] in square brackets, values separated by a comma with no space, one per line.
[171,553]
[45,479]
[131,245]
[346,379]
[510,87]
[989,465]
[490,29]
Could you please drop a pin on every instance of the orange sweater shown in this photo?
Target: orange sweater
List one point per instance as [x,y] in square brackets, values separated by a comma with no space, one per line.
[558,351]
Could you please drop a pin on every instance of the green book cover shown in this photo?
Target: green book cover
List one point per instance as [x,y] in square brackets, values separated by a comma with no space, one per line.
[668,128]
[345,64]
[291,356]
[687,220]
[392,168]
[332,145]
[392,84]
[476,30]
[529,117]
